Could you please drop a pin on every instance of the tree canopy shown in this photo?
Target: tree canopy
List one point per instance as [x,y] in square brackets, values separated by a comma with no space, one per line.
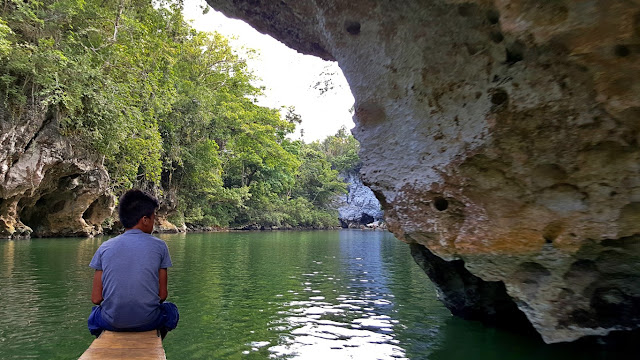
[168,108]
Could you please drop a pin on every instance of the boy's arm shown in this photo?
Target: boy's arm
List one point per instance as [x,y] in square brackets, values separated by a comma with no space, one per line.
[163,293]
[96,291]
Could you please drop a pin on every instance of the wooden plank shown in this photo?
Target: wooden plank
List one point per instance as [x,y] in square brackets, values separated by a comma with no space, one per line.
[111,345]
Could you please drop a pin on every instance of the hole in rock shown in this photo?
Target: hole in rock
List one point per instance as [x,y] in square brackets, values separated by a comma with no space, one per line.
[515,53]
[441,204]
[88,214]
[35,214]
[42,202]
[552,231]
[499,97]
[581,318]
[465,10]
[613,306]
[472,49]
[352,27]
[493,16]
[496,37]
[531,276]
[621,51]
[70,177]
[581,268]
[366,219]
[57,207]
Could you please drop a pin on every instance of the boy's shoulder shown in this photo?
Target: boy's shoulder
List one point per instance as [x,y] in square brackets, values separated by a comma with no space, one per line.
[131,235]
[151,238]
[137,234]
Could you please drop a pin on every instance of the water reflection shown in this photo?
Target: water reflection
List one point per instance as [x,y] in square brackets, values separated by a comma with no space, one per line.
[346,320]
[44,289]
[8,257]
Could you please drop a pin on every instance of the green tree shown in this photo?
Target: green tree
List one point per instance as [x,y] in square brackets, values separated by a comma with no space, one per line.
[316,181]
[167,108]
[341,151]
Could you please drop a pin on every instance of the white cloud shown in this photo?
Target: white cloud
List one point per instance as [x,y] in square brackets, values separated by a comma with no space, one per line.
[287,75]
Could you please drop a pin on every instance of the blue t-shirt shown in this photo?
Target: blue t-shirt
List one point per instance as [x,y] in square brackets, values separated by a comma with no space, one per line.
[130,282]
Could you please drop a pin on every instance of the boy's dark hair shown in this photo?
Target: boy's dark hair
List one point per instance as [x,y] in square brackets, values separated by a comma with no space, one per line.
[134,205]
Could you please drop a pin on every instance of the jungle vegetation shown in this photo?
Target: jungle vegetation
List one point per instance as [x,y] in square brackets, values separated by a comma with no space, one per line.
[168,109]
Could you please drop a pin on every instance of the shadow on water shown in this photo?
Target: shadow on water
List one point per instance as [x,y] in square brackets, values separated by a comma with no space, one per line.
[471,340]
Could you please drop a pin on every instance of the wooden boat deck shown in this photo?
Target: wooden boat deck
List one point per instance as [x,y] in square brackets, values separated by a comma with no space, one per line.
[111,345]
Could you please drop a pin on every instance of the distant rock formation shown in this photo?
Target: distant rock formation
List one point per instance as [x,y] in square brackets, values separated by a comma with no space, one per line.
[48,186]
[359,206]
[163,225]
[500,136]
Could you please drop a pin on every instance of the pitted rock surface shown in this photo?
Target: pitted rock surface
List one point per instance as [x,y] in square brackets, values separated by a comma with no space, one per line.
[500,134]
[48,187]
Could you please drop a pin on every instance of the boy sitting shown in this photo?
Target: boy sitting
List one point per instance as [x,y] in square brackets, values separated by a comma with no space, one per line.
[130,282]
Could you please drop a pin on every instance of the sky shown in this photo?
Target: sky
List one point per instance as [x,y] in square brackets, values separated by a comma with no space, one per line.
[288,76]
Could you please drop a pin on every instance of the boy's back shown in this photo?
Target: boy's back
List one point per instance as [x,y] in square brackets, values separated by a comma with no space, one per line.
[130,263]
[130,279]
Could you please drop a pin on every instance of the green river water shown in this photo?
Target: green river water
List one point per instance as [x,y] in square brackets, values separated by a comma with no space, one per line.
[334,295]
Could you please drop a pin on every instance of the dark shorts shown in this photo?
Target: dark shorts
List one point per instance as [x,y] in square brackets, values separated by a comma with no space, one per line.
[167,321]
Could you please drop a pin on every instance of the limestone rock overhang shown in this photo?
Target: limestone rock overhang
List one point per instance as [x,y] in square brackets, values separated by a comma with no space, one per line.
[502,135]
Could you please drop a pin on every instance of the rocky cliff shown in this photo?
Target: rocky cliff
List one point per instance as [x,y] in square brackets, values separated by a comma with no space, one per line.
[48,186]
[502,139]
[359,206]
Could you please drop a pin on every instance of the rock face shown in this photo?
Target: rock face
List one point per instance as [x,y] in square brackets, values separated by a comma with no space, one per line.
[48,187]
[163,225]
[499,135]
[359,206]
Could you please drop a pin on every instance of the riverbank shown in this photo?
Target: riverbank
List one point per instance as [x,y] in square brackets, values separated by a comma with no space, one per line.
[195,229]
[257,227]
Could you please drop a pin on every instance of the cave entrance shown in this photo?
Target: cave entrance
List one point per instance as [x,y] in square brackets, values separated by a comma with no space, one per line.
[366,219]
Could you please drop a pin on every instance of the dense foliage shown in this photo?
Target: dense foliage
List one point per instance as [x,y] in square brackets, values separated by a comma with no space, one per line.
[341,150]
[169,109]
